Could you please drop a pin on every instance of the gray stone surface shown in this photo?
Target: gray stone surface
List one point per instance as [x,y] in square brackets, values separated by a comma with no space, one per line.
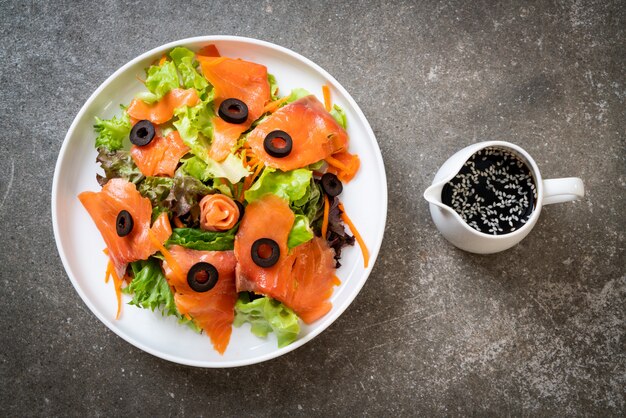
[536,330]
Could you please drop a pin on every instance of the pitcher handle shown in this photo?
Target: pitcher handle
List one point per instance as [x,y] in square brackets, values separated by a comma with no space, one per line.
[562,190]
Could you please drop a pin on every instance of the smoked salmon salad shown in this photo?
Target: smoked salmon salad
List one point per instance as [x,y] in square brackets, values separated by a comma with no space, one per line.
[220,200]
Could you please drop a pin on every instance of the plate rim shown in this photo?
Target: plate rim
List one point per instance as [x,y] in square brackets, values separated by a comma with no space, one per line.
[329,320]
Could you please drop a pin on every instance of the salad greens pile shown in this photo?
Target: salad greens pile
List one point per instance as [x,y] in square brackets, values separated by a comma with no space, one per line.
[196,176]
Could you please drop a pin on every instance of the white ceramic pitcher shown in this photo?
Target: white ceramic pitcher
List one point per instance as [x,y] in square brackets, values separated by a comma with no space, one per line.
[459,233]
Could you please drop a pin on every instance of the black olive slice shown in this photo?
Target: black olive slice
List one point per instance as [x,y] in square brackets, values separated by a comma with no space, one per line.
[260,260]
[124,223]
[233,111]
[202,277]
[241,208]
[331,184]
[278,144]
[142,133]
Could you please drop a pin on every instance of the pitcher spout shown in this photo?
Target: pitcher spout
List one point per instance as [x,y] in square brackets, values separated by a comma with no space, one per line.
[433,194]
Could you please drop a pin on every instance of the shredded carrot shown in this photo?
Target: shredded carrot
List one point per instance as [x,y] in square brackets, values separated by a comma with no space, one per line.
[168,257]
[140,79]
[117,283]
[162,60]
[336,280]
[336,163]
[271,107]
[351,165]
[325,219]
[247,183]
[357,236]
[107,275]
[178,222]
[327,103]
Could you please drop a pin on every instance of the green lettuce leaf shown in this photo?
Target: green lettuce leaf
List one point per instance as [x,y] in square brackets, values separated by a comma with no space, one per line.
[197,239]
[300,233]
[150,290]
[267,315]
[195,126]
[160,80]
[340,116]
[290,185]
[311,204]
[185,62]
[273,86]
[117,164]
[232,168]
[296,94]
[112,132]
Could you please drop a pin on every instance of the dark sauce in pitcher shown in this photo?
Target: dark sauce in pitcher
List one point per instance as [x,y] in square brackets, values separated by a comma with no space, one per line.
[494,192]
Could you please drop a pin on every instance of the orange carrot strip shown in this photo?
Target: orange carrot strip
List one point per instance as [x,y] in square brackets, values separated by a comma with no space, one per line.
[178,222]
[107,275]
[168,257]
[336,163]
[336,280]
[117,283]
[327,103]
[271,107]
[162,60]
[325,219]
[359,239]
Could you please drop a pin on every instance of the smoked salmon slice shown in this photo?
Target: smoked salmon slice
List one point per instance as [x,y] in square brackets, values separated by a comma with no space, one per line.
[163,110]
[214,310]
[311,282]
[268,217]
[236,79]
[303,280]
[104,207]
[160,157]
[314,132]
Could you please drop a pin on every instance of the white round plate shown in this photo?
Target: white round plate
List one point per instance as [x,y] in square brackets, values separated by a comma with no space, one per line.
[80,244]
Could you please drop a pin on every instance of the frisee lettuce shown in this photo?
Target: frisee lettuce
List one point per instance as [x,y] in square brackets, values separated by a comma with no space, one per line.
[150,290]
[179,195]
[185,62]
[267,315]
[160,80]
[195,126]
[117,164]
[112,132]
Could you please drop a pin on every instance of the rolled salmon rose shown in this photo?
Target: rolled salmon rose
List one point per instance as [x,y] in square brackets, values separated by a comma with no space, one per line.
[218,212]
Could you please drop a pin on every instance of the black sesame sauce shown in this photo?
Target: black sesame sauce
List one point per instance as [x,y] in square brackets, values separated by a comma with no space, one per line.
[494,192]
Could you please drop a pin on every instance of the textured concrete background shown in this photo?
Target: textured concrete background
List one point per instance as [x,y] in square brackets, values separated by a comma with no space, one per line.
[537,330]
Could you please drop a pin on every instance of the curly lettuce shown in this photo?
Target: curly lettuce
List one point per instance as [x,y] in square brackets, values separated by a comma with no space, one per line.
[159,81]
[112,132]
[179,195]
[150,290]
[117,164]
[185,62]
